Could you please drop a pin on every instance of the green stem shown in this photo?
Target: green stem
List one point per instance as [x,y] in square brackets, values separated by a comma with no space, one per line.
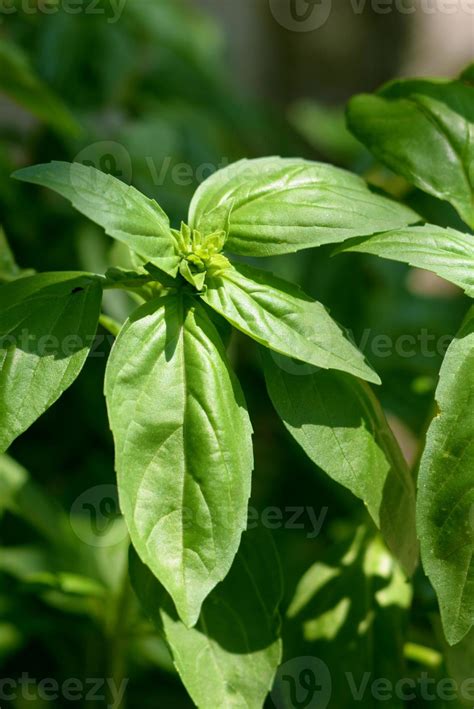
[117,637]
[129,285]
[110,324]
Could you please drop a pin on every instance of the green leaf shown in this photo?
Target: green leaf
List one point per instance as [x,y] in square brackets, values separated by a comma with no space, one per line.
[468,74]
[348,614]
[183,447]
[230,658]
[280,316]
[124,212]
[424,131]
[19,82]
[460,661]
[341,427]
[47,326]
[446,252]
[279,205]
[445,509]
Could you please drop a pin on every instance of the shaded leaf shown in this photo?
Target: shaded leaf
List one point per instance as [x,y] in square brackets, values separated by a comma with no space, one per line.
[348,613]
[460,661]
[230,658]
[341,427]
[47,327]
[445,509]
[468,74]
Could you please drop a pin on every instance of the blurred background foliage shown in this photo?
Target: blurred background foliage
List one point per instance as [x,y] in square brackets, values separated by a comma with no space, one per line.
[161,95]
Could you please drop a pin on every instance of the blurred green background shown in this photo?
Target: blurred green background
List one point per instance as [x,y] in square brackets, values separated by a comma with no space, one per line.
[161,93]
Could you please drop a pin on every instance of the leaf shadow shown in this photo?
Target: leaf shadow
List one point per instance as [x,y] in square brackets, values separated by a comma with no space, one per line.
[240,615]
[45,322]
[350,621]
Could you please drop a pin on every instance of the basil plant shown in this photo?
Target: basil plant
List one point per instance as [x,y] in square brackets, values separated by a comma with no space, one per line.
[182,433]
